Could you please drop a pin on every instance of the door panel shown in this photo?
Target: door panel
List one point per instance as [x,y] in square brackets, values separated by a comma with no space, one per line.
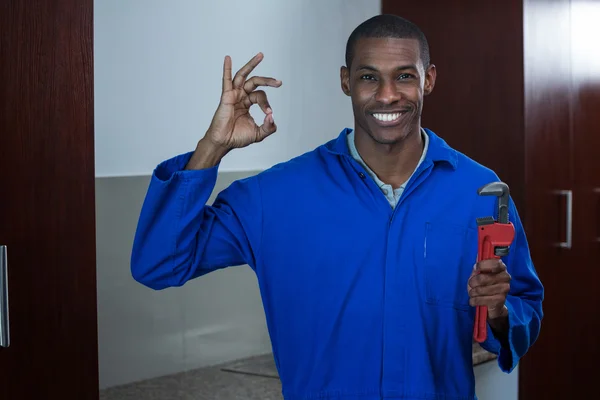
[549,190]
[584,273]
[47,199]
[585,15]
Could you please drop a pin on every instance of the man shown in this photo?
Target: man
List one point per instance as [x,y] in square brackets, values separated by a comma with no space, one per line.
[364,248]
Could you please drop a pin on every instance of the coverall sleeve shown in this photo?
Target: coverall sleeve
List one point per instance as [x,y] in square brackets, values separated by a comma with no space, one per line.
[180,237]
[524,301]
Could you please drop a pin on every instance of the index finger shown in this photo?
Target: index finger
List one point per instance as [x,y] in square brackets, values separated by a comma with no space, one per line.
[253,83]
[243,73]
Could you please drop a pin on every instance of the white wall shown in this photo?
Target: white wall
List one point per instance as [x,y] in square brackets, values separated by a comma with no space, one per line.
[145,333]
[157,83]
[158,68]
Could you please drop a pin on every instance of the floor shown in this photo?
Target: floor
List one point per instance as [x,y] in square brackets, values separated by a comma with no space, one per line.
[248,379]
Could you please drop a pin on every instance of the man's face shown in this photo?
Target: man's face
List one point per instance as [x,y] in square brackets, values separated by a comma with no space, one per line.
[387,82]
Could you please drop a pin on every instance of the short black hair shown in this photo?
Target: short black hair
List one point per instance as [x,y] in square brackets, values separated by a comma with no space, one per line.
[388,26]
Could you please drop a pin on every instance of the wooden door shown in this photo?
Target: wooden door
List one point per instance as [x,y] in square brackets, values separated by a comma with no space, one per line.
[47,199]
[584,273]
[563,142]
[545,371]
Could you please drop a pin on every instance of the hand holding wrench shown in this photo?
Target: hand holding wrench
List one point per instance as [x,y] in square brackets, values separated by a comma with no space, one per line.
[494,240]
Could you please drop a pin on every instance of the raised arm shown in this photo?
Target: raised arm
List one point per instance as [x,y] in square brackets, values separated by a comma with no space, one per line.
[179,237]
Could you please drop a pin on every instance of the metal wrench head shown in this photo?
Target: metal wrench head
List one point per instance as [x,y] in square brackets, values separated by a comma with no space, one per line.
[500,190]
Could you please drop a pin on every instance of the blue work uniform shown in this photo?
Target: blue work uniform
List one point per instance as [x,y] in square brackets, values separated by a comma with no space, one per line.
[363,301]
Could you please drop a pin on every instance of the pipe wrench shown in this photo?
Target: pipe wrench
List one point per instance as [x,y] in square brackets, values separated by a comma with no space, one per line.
[494,240]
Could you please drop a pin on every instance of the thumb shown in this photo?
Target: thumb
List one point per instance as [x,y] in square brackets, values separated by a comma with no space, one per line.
[474,272]
[268,127]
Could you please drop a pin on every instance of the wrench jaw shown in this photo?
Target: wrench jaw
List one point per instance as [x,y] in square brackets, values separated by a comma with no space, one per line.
[501,251]
[483,221]
[500,190]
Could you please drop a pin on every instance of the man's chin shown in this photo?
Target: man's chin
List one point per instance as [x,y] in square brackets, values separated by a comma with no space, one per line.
[388,136]
[386,140]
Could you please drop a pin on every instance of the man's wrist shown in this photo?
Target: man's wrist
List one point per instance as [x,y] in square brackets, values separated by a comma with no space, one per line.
[206,155]
[500,326]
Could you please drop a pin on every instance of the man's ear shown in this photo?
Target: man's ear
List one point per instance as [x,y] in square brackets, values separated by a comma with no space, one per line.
[430,76]
[345,80]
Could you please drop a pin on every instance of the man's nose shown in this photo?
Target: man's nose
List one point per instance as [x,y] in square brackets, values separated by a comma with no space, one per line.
[387,93]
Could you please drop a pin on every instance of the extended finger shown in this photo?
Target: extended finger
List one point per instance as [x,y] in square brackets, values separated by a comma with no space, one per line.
[491,290]
[256,81]
[259,97]
[242,74]
[227,84]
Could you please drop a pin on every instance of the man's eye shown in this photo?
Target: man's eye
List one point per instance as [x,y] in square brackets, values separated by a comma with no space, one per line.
[405,76]
[367,77]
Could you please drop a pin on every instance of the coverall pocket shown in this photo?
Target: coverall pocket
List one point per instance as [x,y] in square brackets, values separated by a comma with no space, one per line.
[449,253]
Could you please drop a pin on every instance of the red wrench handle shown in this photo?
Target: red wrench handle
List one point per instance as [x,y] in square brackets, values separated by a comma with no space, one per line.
[489,238]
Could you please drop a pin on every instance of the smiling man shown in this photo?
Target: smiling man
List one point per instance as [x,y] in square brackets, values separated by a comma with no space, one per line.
[364,248]
[387,76]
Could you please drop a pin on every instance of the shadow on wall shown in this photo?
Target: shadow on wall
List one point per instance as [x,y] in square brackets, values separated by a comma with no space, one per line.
[145,333]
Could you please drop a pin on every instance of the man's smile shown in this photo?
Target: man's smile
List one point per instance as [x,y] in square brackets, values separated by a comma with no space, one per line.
[388,118]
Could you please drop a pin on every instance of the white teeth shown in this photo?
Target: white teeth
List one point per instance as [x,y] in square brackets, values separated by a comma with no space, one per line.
[387,117]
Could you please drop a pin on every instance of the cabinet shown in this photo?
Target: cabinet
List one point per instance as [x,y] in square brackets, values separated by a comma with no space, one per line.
[47,202]
[519,90]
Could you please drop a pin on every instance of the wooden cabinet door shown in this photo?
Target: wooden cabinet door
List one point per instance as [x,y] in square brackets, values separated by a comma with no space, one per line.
[47,200]
[563,76]
[545,372]
[584,273]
